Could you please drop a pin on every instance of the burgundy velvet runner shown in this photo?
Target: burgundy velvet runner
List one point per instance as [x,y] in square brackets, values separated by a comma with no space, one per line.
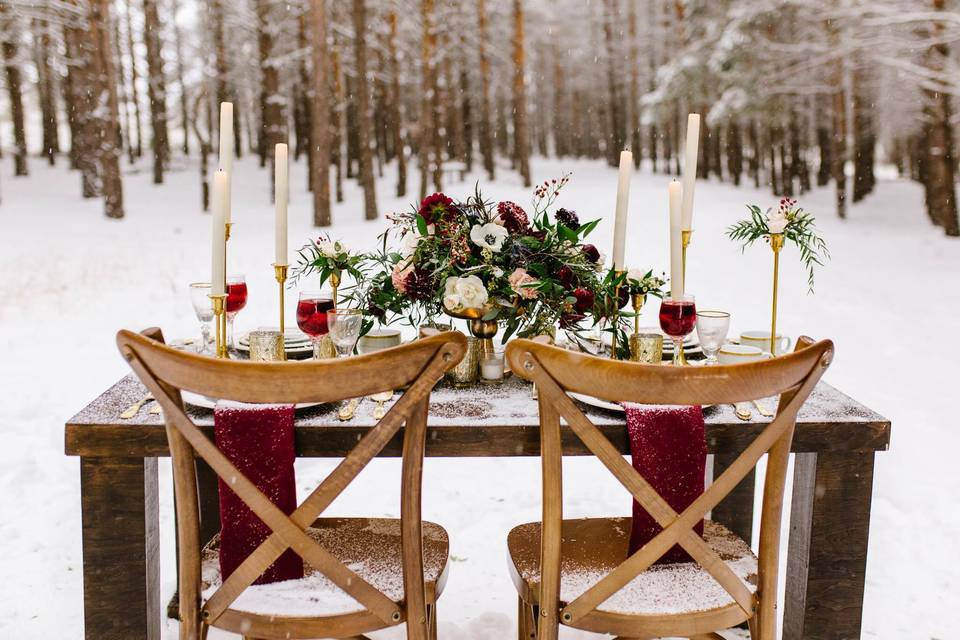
[669,450]
[258,440]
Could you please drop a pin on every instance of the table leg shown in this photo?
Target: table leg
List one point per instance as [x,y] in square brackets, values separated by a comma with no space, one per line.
[827,558]
[736,510]
[121,555]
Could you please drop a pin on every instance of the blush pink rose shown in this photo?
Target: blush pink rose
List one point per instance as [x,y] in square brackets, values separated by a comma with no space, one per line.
[399,275]
[518,279]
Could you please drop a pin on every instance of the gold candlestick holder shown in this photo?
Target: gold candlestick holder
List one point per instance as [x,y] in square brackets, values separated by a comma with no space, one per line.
[637,300]
[618,277]
[776,243]
[334,285]
[220,324]
[280,271]
[685,236]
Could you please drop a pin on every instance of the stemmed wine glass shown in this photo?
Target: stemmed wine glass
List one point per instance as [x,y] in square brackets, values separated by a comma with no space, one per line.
[712,327]
[236,300]
[344,329]
[677,319]
[203,307]
[312,311]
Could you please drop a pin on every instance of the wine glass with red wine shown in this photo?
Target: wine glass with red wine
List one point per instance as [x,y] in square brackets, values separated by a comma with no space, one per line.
[678,317]
[236,300]
[312,316]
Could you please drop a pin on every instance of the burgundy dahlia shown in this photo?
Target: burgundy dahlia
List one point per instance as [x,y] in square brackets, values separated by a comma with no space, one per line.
[584,299]
[435,207]
[513,217]
[565,276]
[591,253]
[419,284]
[568,218]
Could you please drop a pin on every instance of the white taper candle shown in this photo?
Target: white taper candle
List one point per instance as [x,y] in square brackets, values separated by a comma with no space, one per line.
[623,202]
[676,248]
[690,168]
[281,191]
[218,251]
[227,148]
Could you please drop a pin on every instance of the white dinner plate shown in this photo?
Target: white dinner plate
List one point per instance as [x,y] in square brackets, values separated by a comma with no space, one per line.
[197,400]
[605,404]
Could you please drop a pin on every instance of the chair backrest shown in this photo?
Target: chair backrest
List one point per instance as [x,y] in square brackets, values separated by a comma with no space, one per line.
[557,371]
[417,366]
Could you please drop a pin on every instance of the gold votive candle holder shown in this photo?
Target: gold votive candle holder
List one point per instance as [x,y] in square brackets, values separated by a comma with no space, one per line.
[646,348]
[266,346]
[467,370]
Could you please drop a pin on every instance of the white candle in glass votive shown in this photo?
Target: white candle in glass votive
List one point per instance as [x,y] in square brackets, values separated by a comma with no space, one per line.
[281,191]
[218,252]
[491,368]
[226,148]
[690,169]
[676,247]
[623,200]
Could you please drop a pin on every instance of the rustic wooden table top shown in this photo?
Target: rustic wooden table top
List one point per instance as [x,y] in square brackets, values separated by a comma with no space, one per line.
[498,420]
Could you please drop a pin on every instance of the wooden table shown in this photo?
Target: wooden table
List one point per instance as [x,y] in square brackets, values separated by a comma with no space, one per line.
[835,442]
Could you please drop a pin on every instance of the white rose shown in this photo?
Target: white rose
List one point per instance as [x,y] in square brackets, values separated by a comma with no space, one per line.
[409,244]
[327,248]
[635,274]
[467,293]
[489,236]
[777,222]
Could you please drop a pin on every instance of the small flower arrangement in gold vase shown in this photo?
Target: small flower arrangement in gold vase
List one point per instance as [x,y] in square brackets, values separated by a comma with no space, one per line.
[787,223]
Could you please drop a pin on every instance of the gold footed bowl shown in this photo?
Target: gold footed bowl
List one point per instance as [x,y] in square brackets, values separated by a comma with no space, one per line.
[483,330]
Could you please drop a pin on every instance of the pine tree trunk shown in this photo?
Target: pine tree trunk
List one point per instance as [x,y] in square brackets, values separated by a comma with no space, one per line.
[184,113]
[940,178]
[633,101]
[124,92]
[134,77]
[47,90]
[754,141]
[427,141]
[838,152]
[69,95]
[320,115]
[11,35]
[617,140]
[301,100]
[486,127]
[734,152]
[466,106]
[365,127]
[271,99]
[521,134]
[156,90]
[396,114]
[105,98]
[339,118]
[80,54]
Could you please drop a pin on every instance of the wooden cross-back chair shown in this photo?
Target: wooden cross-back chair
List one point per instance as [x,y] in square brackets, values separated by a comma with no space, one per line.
[579,573]
[415,553]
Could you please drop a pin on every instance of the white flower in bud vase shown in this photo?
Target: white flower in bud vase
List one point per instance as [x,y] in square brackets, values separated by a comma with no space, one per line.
[489,236]
[467,292]
[328,248]
[635,274]
[777,222]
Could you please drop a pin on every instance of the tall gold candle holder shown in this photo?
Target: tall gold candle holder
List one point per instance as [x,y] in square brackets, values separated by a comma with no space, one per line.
[685,236]
[776,243]
[280,272]
[220,324]
[637,300]
[618,277]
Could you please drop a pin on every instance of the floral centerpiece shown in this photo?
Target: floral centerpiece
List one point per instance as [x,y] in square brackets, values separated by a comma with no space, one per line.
[490,263]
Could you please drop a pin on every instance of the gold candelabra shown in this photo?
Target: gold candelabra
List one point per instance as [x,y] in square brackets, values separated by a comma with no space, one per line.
[280,271]
[685,235]
[220,323]
[619,275]
[776,243]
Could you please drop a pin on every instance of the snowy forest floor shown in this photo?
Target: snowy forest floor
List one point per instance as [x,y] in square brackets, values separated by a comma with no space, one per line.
[71,278]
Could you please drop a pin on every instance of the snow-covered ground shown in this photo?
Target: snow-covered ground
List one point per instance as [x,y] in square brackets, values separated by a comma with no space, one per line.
[71,278]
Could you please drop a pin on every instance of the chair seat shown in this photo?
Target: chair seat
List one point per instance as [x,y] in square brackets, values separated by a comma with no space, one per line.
[368,546]
[592,548]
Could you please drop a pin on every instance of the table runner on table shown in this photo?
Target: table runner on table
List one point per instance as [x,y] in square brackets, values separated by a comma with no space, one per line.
[669,450]
[259,441]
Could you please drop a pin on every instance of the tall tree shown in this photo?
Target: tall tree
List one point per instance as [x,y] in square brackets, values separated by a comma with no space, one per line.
[617,142]
[320,115]
[364,117]
[107,112]
[486,126]
[9,23]
[396,98]
[46,89]
[134,79]
[521,135]
[271,99]
[427,145]
[178,48]
[156,90]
